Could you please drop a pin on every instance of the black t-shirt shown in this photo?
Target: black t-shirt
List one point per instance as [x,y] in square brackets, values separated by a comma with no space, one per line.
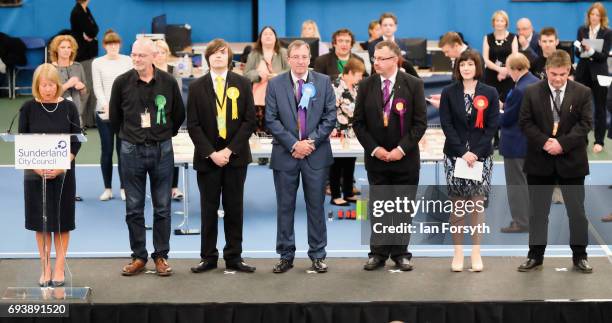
[538,68]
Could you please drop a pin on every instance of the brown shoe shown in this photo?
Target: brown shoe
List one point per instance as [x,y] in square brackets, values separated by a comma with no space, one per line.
[162,268]
[514,228]
[607,218]
[134,268]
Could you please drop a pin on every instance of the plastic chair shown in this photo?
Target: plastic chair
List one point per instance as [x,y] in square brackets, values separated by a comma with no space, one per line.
[36,54]
[9,84]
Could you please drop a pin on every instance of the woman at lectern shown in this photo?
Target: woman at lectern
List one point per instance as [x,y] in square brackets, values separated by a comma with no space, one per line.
[469,113]
[50,113]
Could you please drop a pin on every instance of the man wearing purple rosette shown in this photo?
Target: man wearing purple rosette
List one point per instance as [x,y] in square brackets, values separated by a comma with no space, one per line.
[390,119]
[300,115]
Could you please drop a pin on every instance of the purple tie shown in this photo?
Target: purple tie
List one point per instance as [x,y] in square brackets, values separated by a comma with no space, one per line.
[301,113]
[386,101]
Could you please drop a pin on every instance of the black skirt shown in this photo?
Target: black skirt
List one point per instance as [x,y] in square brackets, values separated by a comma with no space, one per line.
[61,193]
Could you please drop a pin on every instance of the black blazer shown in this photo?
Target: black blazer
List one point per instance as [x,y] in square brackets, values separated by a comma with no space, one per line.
[536,121]
[202,122]
[369,127]
[328,64]
[598,63]
[459,129]
[83,22]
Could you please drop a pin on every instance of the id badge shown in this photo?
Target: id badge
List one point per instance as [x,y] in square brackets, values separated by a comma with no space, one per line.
[145,120]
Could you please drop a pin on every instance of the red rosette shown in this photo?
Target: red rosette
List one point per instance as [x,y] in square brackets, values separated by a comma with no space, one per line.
[481,103]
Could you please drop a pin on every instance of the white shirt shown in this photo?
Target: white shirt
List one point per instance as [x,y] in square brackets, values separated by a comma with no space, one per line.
[592,35]
[593,32]
[295,80]
[382,86]
[389,39]
[296,85]
[562,95]
[214,79]
[528,42]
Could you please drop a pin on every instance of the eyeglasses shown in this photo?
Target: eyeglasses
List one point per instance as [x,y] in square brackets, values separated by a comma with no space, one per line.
[134,55]
[380,59]
[297,58]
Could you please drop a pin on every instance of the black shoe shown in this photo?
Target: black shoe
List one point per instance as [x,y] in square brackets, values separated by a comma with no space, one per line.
[283,266]
[403,264]
[319,266]
[240,266]
[583,266]
[48,283]
[531,265]
[374,263]
[57,283]
[345,203]
[204,265]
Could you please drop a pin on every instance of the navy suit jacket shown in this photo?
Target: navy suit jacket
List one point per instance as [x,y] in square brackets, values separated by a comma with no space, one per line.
[460,130]
[513,143]
[282,121]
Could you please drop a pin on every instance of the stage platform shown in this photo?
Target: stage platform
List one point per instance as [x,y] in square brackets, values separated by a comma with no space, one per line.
[431,293]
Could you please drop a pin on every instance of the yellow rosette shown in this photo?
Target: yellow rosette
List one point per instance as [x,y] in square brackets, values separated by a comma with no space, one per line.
[233,94]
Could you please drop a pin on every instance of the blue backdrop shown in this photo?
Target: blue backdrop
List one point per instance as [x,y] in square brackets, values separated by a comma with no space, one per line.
[232,19]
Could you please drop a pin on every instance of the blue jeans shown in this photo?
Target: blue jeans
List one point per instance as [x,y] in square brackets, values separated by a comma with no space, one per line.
[156,160]
[107,140]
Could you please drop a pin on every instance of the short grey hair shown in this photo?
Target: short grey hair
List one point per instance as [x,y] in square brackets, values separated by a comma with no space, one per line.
[298,43]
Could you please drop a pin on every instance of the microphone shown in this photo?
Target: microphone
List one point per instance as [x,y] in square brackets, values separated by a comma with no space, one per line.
[13,121]
[76,125]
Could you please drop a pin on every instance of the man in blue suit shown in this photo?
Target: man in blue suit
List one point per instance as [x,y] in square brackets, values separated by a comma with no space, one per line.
[300,115]
[513,144]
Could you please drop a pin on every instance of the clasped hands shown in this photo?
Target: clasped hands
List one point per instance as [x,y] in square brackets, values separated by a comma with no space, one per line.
[553,147]
[221,157]
[388,156]
[303,148]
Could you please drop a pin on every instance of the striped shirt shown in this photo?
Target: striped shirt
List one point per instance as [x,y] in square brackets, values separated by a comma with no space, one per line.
[104,71]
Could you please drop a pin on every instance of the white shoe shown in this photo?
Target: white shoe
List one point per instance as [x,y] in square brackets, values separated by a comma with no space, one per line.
[457,264]
[122,194]
[106,195]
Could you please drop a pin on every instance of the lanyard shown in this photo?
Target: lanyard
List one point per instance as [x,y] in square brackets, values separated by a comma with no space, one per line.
[557,109]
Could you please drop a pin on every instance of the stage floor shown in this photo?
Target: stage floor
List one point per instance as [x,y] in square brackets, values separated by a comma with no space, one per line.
[345,282]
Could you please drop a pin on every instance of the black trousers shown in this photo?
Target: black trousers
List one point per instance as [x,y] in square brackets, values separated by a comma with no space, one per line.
[225,183]
[343,168]
[396,251]
[540,197]
[600,119]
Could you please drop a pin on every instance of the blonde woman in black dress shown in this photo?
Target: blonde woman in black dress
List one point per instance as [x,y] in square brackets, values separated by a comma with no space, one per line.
[49,113]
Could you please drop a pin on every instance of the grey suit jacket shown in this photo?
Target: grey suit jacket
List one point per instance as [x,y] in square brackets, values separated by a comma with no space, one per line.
[281,121]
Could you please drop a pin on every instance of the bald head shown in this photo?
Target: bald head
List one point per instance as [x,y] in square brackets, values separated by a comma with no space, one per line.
[143,54]
[524,27]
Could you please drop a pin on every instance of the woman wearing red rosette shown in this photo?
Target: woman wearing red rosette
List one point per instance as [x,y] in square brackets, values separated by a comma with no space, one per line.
[469,112]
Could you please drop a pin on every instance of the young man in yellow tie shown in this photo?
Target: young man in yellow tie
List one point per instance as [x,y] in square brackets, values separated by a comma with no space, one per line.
[221,119]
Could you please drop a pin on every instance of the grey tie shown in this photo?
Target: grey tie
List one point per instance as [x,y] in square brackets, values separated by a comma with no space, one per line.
[558,105]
